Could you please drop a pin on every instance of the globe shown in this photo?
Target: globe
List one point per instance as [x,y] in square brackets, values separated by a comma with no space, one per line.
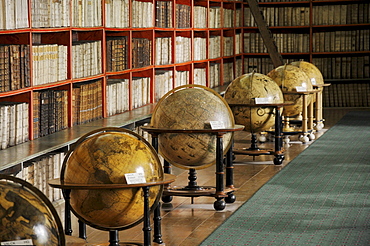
[26,215]
[311,70]
[244,90]
[289,77]
[191,107]
[104,157]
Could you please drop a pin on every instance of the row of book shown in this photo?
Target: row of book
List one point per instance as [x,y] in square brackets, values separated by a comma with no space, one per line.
[117,96]
[13,14]
[39,171]
[341,14]
[214,47]
[355,40]
[345,67]
[163,14]
[140,91]
[280,16]
[49,63]
[141,52]
[163,83]
[228,49]
[183,48]
[87,102]
[200,49]
[86,58]
[14,67]
[142,14]
[347,95]
[116,53]
[50,112]
[50,13]
[117,13]
[228,72]
[86,13]
[183,19]
[214,19]
[285,42]
[200,76]
[214,75]
[163,54]
[13,124]
[200,17]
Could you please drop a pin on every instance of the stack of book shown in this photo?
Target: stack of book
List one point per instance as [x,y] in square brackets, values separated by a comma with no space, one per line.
[86,13]
[86,60]
[87,101]
[13,124]
[183,16]
[163,14]
[163,48]
[163,82]
[117,13]
[13,14]
[116,53]
[117,96]
[50,13]
[14,67]
[50,112]
[141,52]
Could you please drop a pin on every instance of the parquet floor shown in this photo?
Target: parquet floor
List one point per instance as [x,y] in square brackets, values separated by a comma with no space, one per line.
[186,221]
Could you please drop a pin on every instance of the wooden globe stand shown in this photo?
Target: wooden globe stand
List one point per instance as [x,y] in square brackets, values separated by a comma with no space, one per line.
[319,120]
[254,150]
[221,192]
[113,234]
[306,133]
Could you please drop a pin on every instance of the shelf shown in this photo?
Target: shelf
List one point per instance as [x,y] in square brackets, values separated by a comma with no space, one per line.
[32,149]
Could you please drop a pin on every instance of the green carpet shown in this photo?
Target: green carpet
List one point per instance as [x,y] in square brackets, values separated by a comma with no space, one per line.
[322,197]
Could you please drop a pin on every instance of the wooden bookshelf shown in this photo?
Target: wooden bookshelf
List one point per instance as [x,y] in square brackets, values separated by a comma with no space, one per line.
[333,35]
[80,50]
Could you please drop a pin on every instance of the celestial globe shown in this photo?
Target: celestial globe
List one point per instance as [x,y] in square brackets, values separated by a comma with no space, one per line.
[191,107]
[289,77]
[244,90]
[105,157]
[26,215]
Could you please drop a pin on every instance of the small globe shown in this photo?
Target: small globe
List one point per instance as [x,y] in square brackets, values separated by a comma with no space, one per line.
[289,77]
[244,90]
[104,157]
[26,214]
[191,107]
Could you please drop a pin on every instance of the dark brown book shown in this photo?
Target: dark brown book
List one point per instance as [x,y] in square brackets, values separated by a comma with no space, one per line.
[5,68]
[15,70]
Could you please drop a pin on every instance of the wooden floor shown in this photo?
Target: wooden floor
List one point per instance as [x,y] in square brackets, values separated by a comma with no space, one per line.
[187,222]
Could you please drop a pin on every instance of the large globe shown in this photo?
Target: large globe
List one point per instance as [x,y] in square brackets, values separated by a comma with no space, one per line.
[26,214]
[289,77]
[244,90]
[191,107]
[104,157]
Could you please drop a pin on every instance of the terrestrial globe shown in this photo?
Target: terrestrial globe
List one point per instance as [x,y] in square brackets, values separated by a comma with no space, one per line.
[191,107]
[244,90]
[311,70]
[289,77]
[104,157]
[27,214]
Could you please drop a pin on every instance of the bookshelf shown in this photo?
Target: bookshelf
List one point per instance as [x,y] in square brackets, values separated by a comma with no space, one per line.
[107,62]
[332,34]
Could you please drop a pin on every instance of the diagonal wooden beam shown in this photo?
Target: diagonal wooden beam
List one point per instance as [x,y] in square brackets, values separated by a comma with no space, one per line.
[267,38]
